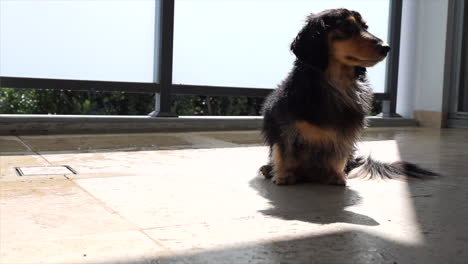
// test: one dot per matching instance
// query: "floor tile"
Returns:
(8, 163)
(40, 210)
(117, 247)
(203, 202)
(162, 163)
(94, 143)
(240, 137)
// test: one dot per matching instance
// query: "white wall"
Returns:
(422, 56)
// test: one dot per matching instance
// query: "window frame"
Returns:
(166, 89)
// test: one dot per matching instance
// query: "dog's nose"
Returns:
(384, 48)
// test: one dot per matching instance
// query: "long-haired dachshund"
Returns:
(314, 119)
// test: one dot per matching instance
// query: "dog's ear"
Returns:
(310, 46)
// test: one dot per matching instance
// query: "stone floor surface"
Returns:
(197, 198)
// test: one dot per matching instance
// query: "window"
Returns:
(78, 39)
(240, 43)
(220, 47)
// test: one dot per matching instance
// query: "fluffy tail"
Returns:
(370, 169)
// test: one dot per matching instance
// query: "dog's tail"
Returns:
(370, 169)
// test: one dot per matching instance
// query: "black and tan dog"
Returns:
(313, 120)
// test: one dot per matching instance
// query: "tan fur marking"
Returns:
(283, 168)
(277, 157)
(339, 177)
(340, 165)
(358, 46)
(340, 75)
(351, 19)
(280, 162)
(313, 133)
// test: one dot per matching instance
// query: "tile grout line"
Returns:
(112, 211)
(104, 205)
(33, 151)
(40, 155)
(191, 138)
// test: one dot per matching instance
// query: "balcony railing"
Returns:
(163, 84)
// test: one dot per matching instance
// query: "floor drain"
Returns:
(45, 170)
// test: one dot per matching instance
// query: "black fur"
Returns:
(307, 95)
(370, 169)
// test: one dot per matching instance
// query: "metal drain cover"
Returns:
(45, 170)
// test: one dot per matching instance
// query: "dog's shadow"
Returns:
(321, 204)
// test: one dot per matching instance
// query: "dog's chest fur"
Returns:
(318, 109)
(341, 102)
(337, 108)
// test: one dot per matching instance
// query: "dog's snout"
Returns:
(384, 48)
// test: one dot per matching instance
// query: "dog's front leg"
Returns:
(284, 167)
(338, 176)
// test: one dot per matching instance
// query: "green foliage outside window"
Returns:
(31, 101)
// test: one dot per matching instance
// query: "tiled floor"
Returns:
(196, 198)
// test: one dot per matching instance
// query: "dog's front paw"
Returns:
(287, 179)
(339, 179)
(266, 171)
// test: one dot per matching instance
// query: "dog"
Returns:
(314, 119)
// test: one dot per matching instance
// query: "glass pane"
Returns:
(108, 40)
(246, 43)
